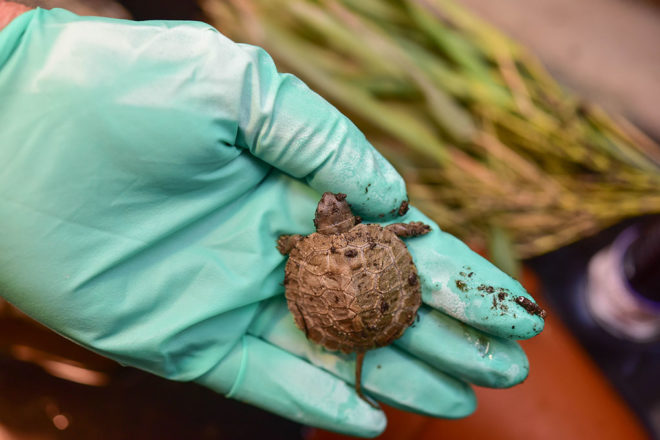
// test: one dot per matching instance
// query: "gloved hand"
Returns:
(147, 171)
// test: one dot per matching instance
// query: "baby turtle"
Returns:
(351, 286)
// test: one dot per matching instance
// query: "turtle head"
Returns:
(333, 215)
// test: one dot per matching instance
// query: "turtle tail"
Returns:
(358, 380)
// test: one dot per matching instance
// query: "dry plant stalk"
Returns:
(489, 144)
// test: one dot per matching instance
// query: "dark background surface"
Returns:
(163, 10)
(134, 405)
(633, 368)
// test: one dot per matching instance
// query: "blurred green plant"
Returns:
(490, 145)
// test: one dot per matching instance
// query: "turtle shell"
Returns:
(353, 291)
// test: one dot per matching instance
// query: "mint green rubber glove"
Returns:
(147, 171)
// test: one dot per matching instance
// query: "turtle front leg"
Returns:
(412, 229)
(287, 242)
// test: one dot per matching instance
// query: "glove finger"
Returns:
(389, 374)
(284, 123)
(187, 127)
(464, 285)
(463, 351)
(268, 377)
